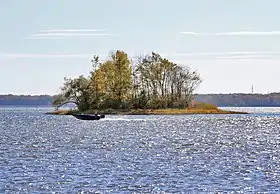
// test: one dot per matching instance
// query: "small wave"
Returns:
(123, 119)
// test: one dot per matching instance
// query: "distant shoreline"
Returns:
(51, 107)
(220, 100)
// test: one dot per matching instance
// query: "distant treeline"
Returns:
(222, 100)
(241, 100)
(26, 100)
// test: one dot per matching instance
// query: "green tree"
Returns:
(74, 91)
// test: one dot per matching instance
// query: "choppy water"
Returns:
(142, 154)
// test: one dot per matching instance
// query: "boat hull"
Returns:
(88, 117)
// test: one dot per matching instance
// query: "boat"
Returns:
(89, 116)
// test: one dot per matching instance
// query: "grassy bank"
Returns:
(182, 112)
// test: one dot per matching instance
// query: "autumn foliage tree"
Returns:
(164, 84)
(152, 82)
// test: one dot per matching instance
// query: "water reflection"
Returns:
(188, 154)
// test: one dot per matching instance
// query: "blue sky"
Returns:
(232, 43)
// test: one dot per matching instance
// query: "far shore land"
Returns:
(186, 111)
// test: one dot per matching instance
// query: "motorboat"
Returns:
(89, 116)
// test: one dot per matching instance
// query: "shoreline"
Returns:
(191, 111)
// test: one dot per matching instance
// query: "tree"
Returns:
(165, 83)
(122, 79)
(74, 91)
(154, 82)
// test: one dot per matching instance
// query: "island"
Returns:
(149, 84)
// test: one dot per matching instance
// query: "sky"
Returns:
(233, 44)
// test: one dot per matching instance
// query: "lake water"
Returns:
(143, 154)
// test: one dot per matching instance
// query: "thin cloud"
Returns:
(240, 33)
(73, 30)
(269, 33)
(37, 55)
(246, 57)
(68, 33)
(46, 37)
(225, 53)
(192, 33)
